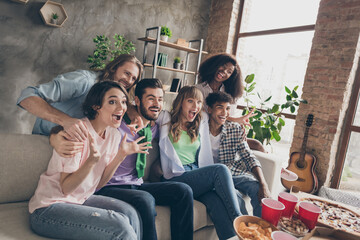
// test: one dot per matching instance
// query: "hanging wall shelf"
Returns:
(51, 8)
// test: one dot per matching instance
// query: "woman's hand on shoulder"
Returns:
(245, 120)
(63, 146)
(126, 148)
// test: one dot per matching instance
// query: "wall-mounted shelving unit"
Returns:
(189, 50)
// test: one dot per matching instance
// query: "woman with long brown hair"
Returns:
(185, 153)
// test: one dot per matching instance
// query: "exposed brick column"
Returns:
(222, 26)
(328, 82)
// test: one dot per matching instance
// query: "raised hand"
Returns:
(244, 120)
(94, 153)
(76, 129)
(127, 148)
(136, 125)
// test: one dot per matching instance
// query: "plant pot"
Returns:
(164, 38)
(176, 65)
(54, 21)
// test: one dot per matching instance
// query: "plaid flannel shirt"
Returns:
(234, 151)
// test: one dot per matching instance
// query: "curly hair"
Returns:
(175, 123)
(208, 69)
(96, 95)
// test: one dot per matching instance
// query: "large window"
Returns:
(274, 43)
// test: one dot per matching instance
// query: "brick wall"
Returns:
(328, 81)
(329, 77)
(222, 26)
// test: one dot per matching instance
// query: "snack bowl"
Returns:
(242, 223)
(294, 226)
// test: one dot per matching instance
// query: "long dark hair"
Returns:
(96, 95)
(209, 67)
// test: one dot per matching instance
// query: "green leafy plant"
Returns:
(177, 60)
(107, 50)
(269, 121)
(165, 31)
(54, 16)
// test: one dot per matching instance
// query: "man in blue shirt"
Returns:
(229, 146)
(59, 102)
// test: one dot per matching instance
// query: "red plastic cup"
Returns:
(271, 210)
(309, 213)
(279, 235)
(289, 202)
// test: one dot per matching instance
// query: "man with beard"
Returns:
(127, 183)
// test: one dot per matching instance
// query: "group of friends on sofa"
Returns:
(93, 187)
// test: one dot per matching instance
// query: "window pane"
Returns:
(357, 115)
(350, 178)
(265, 14)
(277, 61)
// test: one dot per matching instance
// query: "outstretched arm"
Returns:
(243, 120)
(40, 108)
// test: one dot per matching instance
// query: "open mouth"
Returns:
(117, 117)
(154, 109)
(192, 114)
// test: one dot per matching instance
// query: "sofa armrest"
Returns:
(271, 167)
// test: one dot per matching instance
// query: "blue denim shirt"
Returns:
(65, 92)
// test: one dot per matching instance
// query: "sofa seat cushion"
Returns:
(14, 218)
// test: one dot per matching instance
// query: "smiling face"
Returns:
(127, 74)
(190, 108)
(112, 110)
(151, 103)
(219, 112)
(224, 72)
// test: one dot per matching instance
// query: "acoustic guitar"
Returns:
(303, 164)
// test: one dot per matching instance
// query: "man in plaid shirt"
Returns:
(229, 146)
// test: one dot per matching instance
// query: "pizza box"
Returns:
(250, 219)
(325, 220)
(324, 233)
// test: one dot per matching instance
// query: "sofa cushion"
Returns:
(23, 159)
(15, 222)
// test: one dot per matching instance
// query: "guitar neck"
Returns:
(303, 147)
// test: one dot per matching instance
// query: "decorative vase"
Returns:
(182, 65)
(164, 38)
(176, 65)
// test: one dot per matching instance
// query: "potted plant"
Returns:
(177, 62)
(165, 33)
(107, 50)
(269, 121)
(54, 18)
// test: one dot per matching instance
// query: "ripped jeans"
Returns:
(98, 218)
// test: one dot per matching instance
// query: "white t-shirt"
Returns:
(49, 190)
(215, 144)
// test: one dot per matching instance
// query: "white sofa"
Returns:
(25, 157)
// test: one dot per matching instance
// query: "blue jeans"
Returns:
(178, 196)
(213, 186)
(98, 218)
(248, 185)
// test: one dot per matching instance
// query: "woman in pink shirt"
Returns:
(63, 205)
